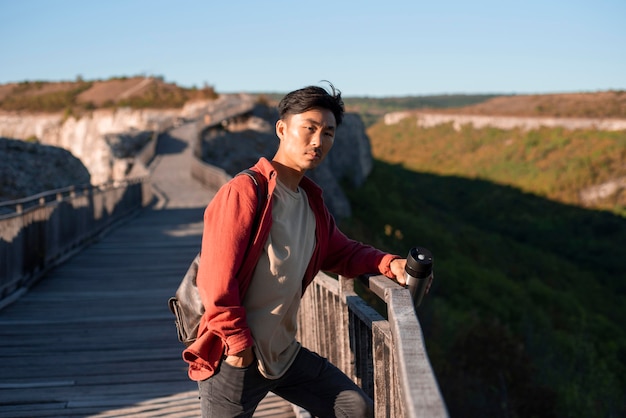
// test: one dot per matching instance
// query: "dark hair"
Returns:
(307, 98)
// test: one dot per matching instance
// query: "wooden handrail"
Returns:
(39, 232)
(10, 205)
(387, 358)
(423, 397)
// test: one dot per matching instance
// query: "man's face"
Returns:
(305, 138)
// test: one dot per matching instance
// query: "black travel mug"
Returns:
(419, 269)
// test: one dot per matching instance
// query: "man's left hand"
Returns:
(397, 269)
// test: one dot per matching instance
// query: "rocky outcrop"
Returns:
(428, 120)
(105, 139)
(91, 138)
(350, 160)
(106, 142)
(611, 189)
(33, 168)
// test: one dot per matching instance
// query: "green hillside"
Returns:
(79, 96)
(553, 163)
(526, 314)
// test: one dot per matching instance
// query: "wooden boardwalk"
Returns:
(95, 337)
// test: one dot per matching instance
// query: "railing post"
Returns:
(346, 288)
(384, 389)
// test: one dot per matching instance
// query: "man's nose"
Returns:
(316, 140)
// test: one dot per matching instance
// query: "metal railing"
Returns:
(387, 358)
(40, 231)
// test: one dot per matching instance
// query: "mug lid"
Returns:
(419, 262)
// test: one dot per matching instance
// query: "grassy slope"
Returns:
(526, 315)
(553, 163)
(76, 97)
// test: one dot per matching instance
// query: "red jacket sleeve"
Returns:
(225, 237)
(351, 258)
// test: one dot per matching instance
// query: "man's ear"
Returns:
(280, 129)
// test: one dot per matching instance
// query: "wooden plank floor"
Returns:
(95, 337)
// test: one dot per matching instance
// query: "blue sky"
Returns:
(373, 48)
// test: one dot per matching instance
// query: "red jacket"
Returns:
(224, 274)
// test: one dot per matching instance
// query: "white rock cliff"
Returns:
(85, 138)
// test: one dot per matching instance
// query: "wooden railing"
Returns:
(209, 175)
(38, 232)
(142, 159)
(387, 358)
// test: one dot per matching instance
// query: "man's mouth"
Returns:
(314, 154)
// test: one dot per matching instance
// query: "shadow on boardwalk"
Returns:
(95, 337)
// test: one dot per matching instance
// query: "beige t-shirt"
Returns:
(273, 298)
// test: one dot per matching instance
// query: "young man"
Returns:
(246, 343)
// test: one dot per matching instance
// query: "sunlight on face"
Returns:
(305, 138)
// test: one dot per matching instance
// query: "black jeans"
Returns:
(311, 382)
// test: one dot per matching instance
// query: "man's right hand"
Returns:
(242, 359)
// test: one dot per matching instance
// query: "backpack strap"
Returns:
(261, 193)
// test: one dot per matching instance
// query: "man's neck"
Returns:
(287, 175)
